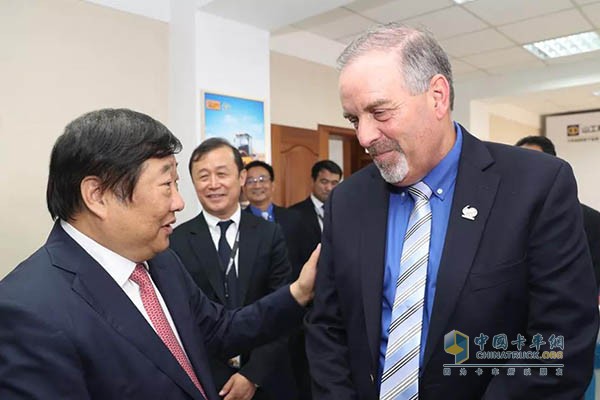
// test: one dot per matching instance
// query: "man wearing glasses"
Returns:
(259, 189)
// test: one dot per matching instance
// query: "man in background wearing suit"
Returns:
(256, 258)
(104, 310)
(446, 243)
(325, 174)
(591, 217)
(259, 189)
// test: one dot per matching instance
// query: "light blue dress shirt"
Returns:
(441, 180)
(258, 212)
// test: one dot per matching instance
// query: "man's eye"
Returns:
(381, 115)
(353, 121)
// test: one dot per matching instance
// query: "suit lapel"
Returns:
(208, 258)
(249, 243)
(179, 308)
(477, 188)
(98, 289)
(373, 228)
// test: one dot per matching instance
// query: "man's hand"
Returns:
(238, 387)
(303, 288)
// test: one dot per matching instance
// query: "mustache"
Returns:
(383, 147)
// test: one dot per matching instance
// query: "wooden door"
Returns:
(355, 157)
(294, 151)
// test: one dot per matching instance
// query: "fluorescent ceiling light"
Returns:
(462, 1)
(565, 46)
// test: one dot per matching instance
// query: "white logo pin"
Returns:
(469, 212)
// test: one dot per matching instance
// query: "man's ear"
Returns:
(439, 89)
(243, 174)
(94, 198)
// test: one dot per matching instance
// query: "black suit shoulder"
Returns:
(591, 225)
(303, 205)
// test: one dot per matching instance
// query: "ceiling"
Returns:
(483, 38)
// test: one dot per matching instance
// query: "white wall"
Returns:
(582, 155)
(229, 58)
(59, 59)
(304, 94)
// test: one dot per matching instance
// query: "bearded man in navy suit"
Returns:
(503, 263)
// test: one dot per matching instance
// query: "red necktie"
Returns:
(160, 323)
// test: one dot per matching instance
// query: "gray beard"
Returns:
(393, 172)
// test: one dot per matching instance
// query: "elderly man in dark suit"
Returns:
(445, 244)
(255, 265)
(104, 310)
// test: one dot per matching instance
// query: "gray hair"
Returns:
(421, 56)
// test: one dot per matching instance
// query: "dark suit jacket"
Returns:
(520, 267)
(310, 220)
(292, 228)
(68, 331)
(591, 223)
(263, 267)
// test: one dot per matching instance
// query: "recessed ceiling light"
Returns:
(596, 93)
(565, 46)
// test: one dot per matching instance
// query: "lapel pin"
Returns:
(469, 212)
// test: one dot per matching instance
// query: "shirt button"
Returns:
(440, 191)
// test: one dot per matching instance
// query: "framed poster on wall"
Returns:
(241, 121)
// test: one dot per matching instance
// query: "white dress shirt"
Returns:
(230, 234)
(120, 269)
(318, 209)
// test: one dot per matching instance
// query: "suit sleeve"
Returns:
(37, 361)
(562, 298)
(326, 342)
(227, 333)
(271, 357)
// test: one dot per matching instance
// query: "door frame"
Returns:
(348, 135)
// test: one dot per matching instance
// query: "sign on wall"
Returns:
(240, 121)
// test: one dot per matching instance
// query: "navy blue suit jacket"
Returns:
(68, 331)
(522, 266)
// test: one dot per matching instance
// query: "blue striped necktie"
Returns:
(400, 379)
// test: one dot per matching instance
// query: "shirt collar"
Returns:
(258, 212)
(318, 203)
(117, 266)
(212, 221)
(441, 178)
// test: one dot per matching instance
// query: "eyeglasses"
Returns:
(259, 179)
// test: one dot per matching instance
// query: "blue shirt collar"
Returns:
(258, 212)
(441, 178)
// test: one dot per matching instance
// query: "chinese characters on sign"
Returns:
(500, 354)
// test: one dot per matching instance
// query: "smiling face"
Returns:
(259, 187)
(218, 182)
(139, 229)
(406, 134)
